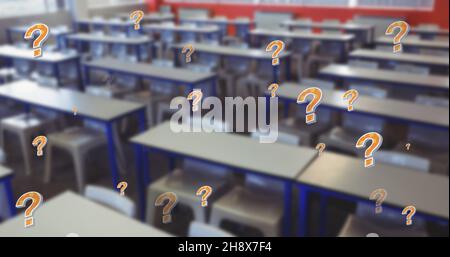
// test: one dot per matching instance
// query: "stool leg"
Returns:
(25, 145)
(48, 163)
(78, 162)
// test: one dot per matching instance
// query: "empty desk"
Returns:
(207, 32)
(183, 77)
(54, 58)
(242, 26)
(150, 17)
(277, 161)
(343, 177)
(250, 53)
(56, 33)
(345, 41)
(412, 44)
(429, 32)
(94, 108)
(387, 77)
(86, 24)
(362, 31)
(135, 42)
(391, 109)
(438, 64)
(69, 213)
(6, 194)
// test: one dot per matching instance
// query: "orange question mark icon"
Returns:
(196, 96)
(172, 201)
(122, 186)
(188, 50)
(408, 145)
(39, 142)
(377, 140)
(409, 211)
(404, 30)
(273, 89)
(208, 191)
(137, 16)
(279, 47)
(379, 195)
(321, 147)
(36, 199)
(311, 107)
(353, 96)
(37, 43)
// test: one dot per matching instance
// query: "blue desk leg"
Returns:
(323, 213)
(9, 36)
(57, 75)
(79, 76)
(286, 109)
(213, 87)
(303, 203)
(112, 155)
(140, 180)
(268, 109)
(275, 74)
(288, 68)
(86, 79)
(9, 196)
(287, 208)
(138, 53)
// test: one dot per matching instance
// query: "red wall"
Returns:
(439, 15)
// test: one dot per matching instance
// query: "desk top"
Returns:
(109, 39)
(64, 100)
(11, 51)
(52, 32)
(218, 20)
(278, 160)
(303, 35)
(415, 42)
(181, 75)
(400, 57)
(71, 213)
(343, 26)
(149, 17)
(438, 31)
(390, 108)
(343, 174)
(4, 171)
(345, 71)
(106, 22)
(254, 53)
(185, 28)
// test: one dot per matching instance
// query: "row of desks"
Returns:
(329, 174)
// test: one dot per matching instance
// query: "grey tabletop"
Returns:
(253, 53)
(11, 51)
(303, 35)
(415, 42)
(391, 108)
(344, 174)
(278, 160)
(109, 39)
(149, 17)
(437, 31)
(345, 71)
(342, 26)
(106, 22)
(4, 171)
(52, 32)
(148, 70)
(184, 28)
(65, 100)
(400, 57)
(218, 20)
(69, 213)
